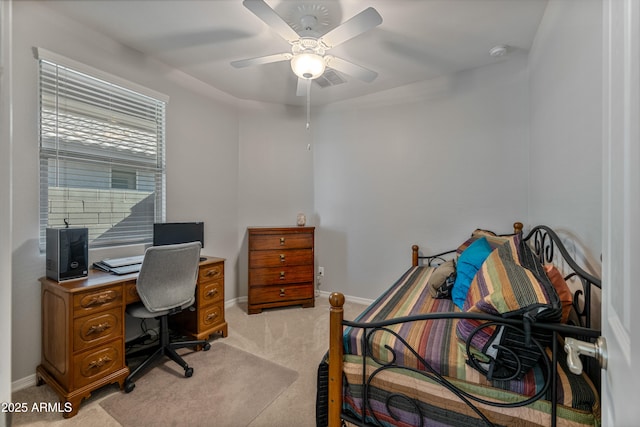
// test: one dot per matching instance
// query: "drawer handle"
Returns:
(281, 292)
(211, 316)
(99, 363)
(101, 299)
(282, 275)
(281, 241)
(213, 272)
(281, 257)
(211, 292)
(98, 329)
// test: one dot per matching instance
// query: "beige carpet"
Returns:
(229, 386)
(292, 337)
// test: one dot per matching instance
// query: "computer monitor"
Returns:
(171, 233)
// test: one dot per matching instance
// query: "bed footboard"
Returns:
(480, 408)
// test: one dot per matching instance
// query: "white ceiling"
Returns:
(417, 40)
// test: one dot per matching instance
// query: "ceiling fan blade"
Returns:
(269, 16)
(303, 86)
(261, 60)
(351, 69)
(358, 24)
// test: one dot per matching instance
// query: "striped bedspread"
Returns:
(436, 342)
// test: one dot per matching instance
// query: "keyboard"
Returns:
(126, 269)
(120, 262)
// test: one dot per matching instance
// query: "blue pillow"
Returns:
(469, 263)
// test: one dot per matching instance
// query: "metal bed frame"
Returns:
(579, 339)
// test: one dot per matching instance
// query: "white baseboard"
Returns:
(232, 302)
(23, 383)
(356, 300)
(359, 300)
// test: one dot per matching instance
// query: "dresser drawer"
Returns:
(210, 272)
(283, 257)
(92, 365)
(97, 328)
(284, 275)
(97, 300)
(210, 292)
(281, 241)
(275, 294)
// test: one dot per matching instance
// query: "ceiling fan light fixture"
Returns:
(308, 65)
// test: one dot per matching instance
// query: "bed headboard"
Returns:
(549, 248)
(416, 257)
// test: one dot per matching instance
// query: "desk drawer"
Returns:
(92, 365)
(211, 316)
(210, 292)
(131, 293)
(200, 320)
(274, 294)
(210, 272)
(97, 328)
(97, 300)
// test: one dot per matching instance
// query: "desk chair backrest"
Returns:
(168, 276)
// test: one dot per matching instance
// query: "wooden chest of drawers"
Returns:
(281, 267)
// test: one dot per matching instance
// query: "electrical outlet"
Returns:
(321, 271)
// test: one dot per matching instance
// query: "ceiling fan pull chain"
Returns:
(308, 105)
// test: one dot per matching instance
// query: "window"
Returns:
(123, 179)
(102, 145)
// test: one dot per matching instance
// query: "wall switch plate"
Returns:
(321, 271)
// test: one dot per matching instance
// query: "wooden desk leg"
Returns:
(69, 405)
(71, 401)
(223, 330)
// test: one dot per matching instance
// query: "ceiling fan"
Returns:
(308, 55)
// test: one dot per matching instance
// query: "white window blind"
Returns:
(102, 164)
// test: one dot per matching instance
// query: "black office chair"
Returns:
(166, 285)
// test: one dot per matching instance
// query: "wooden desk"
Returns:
(83, 328)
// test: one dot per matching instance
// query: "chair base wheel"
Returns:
(188, 372)
(206, 347)
(129, 386)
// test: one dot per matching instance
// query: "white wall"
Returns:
(202, 156)
(275, 172)
(6, 143)
(424, 164)
(565, 65)
(202, 173)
